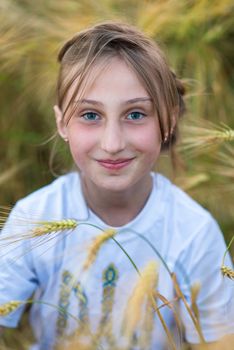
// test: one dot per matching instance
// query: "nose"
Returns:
(113, 138)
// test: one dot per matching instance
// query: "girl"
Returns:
(118, 106)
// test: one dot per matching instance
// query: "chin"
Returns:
(113, 187)
(115, 184)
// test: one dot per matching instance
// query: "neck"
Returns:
(117, 208)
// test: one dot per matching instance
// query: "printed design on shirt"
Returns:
(109, 278)
(66, 288)
(83, 303)
(63, 302)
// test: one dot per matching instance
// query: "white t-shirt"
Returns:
(171, 229)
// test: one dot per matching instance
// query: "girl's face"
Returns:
(114, 135)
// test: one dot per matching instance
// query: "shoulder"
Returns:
(176, 199)
(55, 199)
(53, 189)
(184, 216)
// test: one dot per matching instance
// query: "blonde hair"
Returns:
(113, 39)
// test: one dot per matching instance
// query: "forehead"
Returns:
(111, 80)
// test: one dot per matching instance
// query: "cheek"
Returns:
(148, 141)
(81, 144)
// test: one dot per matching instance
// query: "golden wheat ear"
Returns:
(96, 246)
(4, 213)
(7, 308)
(40, 228)
(203, 137)
(45, 227)
(145, 285)
(227, 272)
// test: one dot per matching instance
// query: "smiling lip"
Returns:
(114, 164)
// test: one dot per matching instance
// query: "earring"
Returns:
(65, 139)
(165, 138)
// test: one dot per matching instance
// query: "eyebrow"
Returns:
(133, 100)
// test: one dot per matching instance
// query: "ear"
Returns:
(61, 127)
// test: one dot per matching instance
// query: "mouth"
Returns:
(115, 164)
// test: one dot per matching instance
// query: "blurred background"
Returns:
(197, 37)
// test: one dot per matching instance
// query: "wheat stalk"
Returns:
(9, 173)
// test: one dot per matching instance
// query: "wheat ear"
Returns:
(96, 245)
(227, 272)
(142, 291)
(189, 310)
(7, 308)
(45, 227)
(195, 290)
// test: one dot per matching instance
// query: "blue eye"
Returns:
(90, 116)
(135, 116)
